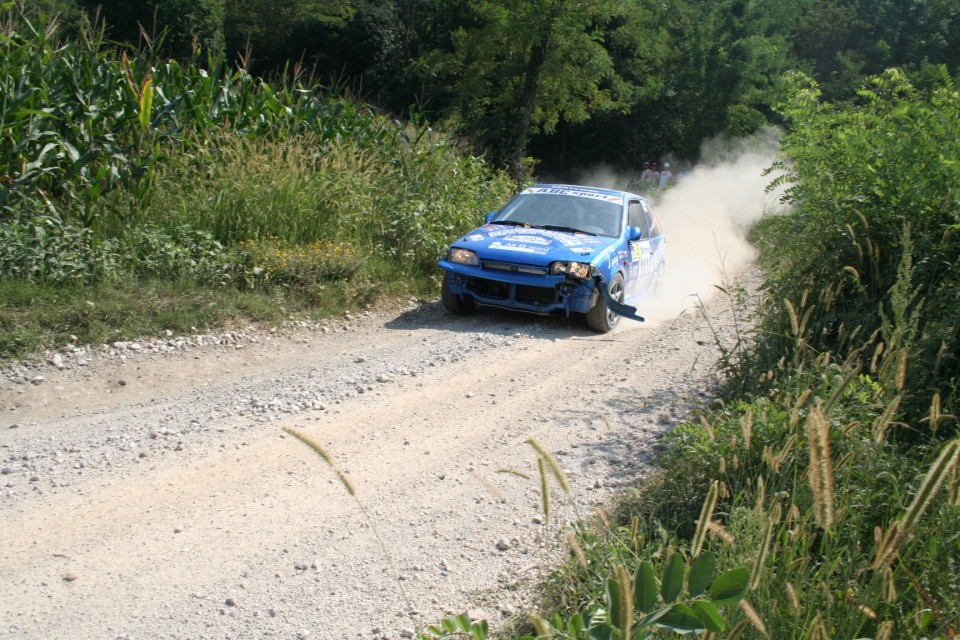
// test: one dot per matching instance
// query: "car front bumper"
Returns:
(534, 293)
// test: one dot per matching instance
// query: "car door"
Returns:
(653, 249)
(641, 250)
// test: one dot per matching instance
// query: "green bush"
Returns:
(182, 253)
(867, 260)
(832, 469)
(44, 249)
(302, 266)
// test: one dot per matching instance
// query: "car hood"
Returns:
(532, 245)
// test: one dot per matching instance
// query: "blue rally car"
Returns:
(559, 248)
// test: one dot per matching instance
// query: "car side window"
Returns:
(636, 217)
(651, 221)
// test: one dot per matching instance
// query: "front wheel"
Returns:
(600, 317)
(454, 302)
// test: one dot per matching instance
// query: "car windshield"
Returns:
(563, 212)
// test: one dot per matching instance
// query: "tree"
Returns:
(910, 32)
(704, 68)
(67, 13)
(827, 37)
(365, 49)
(271, 33)
(846, 40)
(185, 24)
(729, 58)
(191, 25)
(526, 66)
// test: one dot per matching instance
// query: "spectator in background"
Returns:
(645, 174)
(650, 173)
(665, 175)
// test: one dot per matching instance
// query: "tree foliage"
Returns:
(183, 25)
(267, 34)
(527, 65)
(569, 82)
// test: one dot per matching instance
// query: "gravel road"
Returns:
(149, 490)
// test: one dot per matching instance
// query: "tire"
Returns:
(454, 302)
(600, 318)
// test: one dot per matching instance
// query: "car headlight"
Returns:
(463, 256)
(575, 269)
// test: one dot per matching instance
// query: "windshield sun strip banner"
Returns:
(576, 192)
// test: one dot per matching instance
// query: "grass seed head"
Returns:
(900, 532)
(344, 480)
(551, 463)
(885, 630)
(793, 599)
(878, 431)
(706, 513)
(821, 468)
(576, 549)
(752, 616)
(544, 489)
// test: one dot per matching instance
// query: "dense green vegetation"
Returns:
(235, 197)
(571, 82)
(161, 186)
(832, 468)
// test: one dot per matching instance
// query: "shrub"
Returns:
(43, 249)
(182, 253)
(866, 266)
(305, 267)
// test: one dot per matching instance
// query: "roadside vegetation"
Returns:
(140, 195)
(831, 469)
(820, 499)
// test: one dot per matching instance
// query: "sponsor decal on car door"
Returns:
(641, 257)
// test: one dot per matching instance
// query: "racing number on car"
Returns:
(641, 253)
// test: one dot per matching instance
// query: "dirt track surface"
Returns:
(149, 491)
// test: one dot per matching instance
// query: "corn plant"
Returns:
(70, 121)
(80, 120)
(109, 140)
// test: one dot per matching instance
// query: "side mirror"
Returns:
(487, 218)
(634, 233)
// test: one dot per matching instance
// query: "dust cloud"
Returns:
(705, 216)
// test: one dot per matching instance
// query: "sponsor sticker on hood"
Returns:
(516, 246)
(531, 239)
(538, 236)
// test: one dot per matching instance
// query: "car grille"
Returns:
(521, 293)
(536, 295)
(515, 268)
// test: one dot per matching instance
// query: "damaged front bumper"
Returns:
(540, 294)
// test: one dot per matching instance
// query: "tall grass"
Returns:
(118, 167)
(847, 535)
(872, 245)
(831, 469)
(403, 202)
(109, 141)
